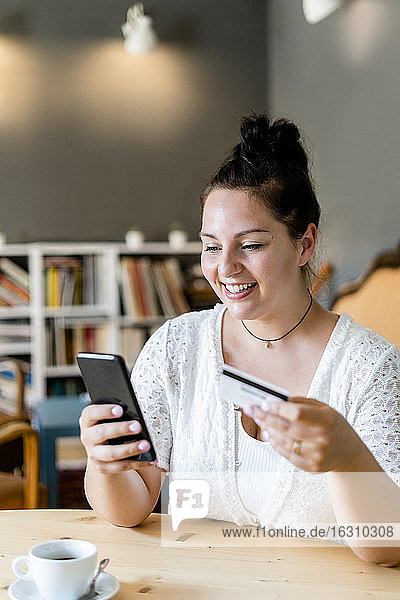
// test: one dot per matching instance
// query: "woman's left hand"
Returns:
(309, 433)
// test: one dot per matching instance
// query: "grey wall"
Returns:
(340, 81)
(93, 140)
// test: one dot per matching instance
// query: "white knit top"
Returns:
(258, 466)
(195, 432)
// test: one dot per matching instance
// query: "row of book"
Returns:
(65, 386)
(16, 330)
(132, 340)
(72, 280)
(14, 283)
(150, 288)
(64, 342)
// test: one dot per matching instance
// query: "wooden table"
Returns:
(178, 570)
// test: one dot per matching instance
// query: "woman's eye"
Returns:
(251, 246)
(210, 249)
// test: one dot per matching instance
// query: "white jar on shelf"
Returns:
(134, 238)
(177, 236)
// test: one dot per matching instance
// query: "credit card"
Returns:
(244, 389)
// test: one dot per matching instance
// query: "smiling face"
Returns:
(248, 257)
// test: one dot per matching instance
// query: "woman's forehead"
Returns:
(231, 205)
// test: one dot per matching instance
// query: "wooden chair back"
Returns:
(21, 490)
(322, 278)
(373, 299)
(19, 447)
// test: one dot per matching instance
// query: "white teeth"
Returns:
(234, 289)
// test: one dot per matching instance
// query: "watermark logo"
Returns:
(188, 499)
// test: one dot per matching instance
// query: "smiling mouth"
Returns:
(238, 287)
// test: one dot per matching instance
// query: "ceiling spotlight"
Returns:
(138, 31)
(317, 10)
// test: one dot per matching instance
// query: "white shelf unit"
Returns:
(106, 310)
(11, 313)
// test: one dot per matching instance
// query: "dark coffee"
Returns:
(61, 557)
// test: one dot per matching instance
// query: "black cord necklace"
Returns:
(267, 342)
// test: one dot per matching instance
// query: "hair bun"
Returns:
(276, 141)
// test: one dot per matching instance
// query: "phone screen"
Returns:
(107, 381)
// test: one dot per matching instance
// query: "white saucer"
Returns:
(21, 589)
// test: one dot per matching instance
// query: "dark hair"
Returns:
(271, 164)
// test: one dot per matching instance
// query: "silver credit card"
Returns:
(244, 389)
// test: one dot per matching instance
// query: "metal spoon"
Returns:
(91, 592)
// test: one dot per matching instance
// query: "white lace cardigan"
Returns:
(195, 432)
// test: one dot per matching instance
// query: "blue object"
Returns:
(52, 418)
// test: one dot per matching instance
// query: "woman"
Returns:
(310, 460)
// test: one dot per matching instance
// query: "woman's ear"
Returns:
(307, 244)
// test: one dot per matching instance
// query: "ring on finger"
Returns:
(296, 448)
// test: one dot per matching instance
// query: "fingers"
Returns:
(110, 453)
(96, 431)
(94, 413)
(100, 433)
(298, 430)
(296, 409)
(310, 434)
(111, 460)
(285, 447)
(95, 428)
(309, 423)
(293, 429)
(114, 467)
(308, 456)
(304, 412)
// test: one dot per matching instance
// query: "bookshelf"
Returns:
(70, 297)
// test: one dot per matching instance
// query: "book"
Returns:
(78, 340)
(14, 272)
(59, 343)
(8, 299)
(77, 298)
(16, 289)
(161, 286)
(14, 331)
(52, 287)
(101, 278)
(67, 287)
(132, 341)
(63, 280)
(65, 341)
(154, 307)
(128, 296)
(139, 288)
(89, 279)
(174, 281)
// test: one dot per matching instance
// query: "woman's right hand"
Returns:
(105, 457)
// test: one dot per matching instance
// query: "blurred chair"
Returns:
(21, 489)
(373, 299)
(19, 445)
(322, 279)
(16, 404)
(12, 407)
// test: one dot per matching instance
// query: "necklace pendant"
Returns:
(267, 344)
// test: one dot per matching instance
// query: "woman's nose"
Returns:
(228, 268)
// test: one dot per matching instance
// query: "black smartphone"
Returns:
(107, 381)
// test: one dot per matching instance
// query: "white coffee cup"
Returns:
(61, 569)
